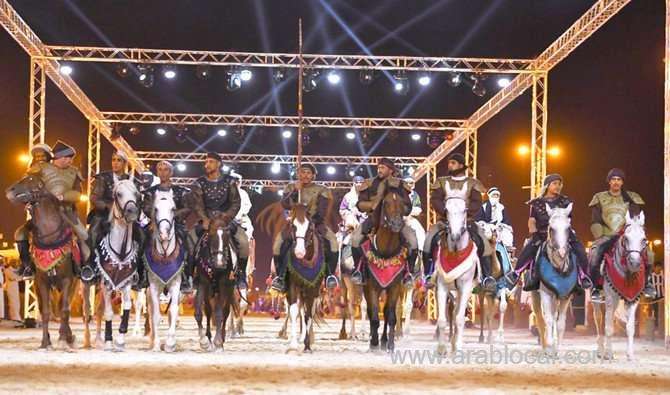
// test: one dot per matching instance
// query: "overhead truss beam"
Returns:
(284, 121)
(288, 60)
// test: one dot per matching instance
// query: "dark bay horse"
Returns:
(54, 250)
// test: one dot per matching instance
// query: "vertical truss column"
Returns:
(93, 158)
(471, 152)
(666, 182)
(431, 218)
(538, 148)
(36, 106)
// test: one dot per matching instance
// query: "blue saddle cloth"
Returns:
(561, 284)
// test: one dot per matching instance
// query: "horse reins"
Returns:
(123, 255)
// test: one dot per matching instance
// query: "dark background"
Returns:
(605, 99)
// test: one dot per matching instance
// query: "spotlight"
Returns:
(123, 70)
(169, 72)
(234, 80)
(161, 131)
(278, 74)
(449, 135)
(181, 166)
(245, 75)
(280, 192)
(225, 168)
(401, 83)
(116, 132)
(367, 76)
(351, 135)
(504, 82)
(287, 133)
(311, 80)
(434, 140)
(409, 171)
(134, 130)
(203, 71)
(66, 69)
(334, 77)
(424, 79)
(352, 172)
(222, 132)
(275, 168)
(330, 170)
(181, 133)
(454, 79)
(477, 86)
(239, 133)
(416, 136)
(146, 75)
(306, 138)
(366, 140)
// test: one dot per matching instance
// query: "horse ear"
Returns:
(628, 217)
(550, 211)
(641, 218)
(568, 209)
(464, 189)
(447, 188)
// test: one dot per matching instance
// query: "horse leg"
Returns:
(364, 314)
(126, 304)
(482, 310)
(99, 313)
(548, 314)
(65, 338)
(140, 308)
(244, 306)
(109, 314)
(218, 317)
(86, 313)
(560, 323)
(384, 339)
(598, 317)
(611, 302)
(372, 300)
(45, 310)
(630, 329)
(343, 312)
(293, 309)
(226, 299)
(155, 314)
(442, 301)
(309, 310)
(171, 341)
(502, 308)
(408, 306)
(394, 295)
(462, 298)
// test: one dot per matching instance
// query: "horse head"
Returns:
(163, 215)
(456, 209)
(392, 212)
(634, 242)
(49, 226)
(301, 230)
(218, 242)
(559, 232)
(126, 201)
(25, 190)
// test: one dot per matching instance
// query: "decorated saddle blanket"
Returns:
(309, 271)
(48, 258)
(561, 284)
(385, 270)
(164, 270)
(116, 272)
(627, 284)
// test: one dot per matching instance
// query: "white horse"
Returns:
(352, 294)
(116, 257)
(461, 278)
(551, 309)
(165, 251)
(628, 259)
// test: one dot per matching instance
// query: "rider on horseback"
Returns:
(412, 219)
(102, 200)
(317, 198)
(456, 179)
(216, 195)
(349, 213)
(41, 153)
(370, 196)
(63, 181)
(493, 212)
(164, 171)
(538, 224)
(242, 217)
(608, 217)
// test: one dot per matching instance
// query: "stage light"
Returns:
(352, 173)
(366, 139)
(222, 132)
(83, 198)
(554, 151)
(280, 192)
(234, 80)
(504, 82)
(310, 80)
(367, 76)
(225, 168)
(330, 170)
(409, 171)
(424, 79)
(306, 138)
(287, 133)
(203, 71)
(477, 86)
(25, 158)
(523, 150)
(334, 77)
(416, 136)
(123, 70)
(351, 135)
(278, 74)
(181, 166)
(146, 75)
(658, 242)
(434, 140)
(275, 168)
(66, 69)
(161, 131)
(449, 135)
(239, 133)
(134, 130)
(401, 83)
(169, 72)
(245, 75)
(454, 79)
(116, 132)
(180, 136)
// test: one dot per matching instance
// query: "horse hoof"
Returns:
(342, 335)
(307, 351)
(170, 347)
(119, 347)
(481, 339)
(109, 346)
(205, 343)
(218, 350)
(442, 349)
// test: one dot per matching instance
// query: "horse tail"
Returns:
(167, 308)
(319, 316)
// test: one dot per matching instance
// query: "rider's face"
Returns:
(616, 183)
(212, 165)
(305, 175)
(555, 187)
(63, 162)
(383, 171)
(39, 156)
(454, 166)
(118, 164)
(164, 172)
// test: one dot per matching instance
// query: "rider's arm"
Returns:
(505, 219)
(147, 203)
(596, 217)
(416, 206)
(289, 197)
(74, 195)
(234, 200)
(475, 203)
(96, 197)
(437, 198)
(197, 200)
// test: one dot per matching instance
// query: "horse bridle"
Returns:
(626, 251)
(386, 221)
(463, 228)
(122, 255)
(171, 226)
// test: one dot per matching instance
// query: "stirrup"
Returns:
(278, 284)
(586, 283)
(596, 295)
(331, 282)
(489, 284)
(357, 277)
(87, 273)
(649, 292)
(511, 277)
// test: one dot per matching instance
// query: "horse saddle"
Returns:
(628, 285)
(384, 269)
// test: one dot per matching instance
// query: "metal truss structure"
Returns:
(283, 121)
(45, 62)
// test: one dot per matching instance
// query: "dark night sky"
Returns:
(605, 99)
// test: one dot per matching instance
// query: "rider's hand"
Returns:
(205, 223)
(59, 197)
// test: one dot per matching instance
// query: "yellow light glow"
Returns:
(24, 158)
(523, 150)
(83, 198)
(657, 242)
(554, 151)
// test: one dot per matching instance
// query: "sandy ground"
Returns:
(257, 362)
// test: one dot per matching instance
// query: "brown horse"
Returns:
(54, 250)
(306, 269)
(215, 274)
(386, 245)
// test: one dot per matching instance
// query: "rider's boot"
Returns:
(279, 282)
(27, 268)
(331, 261)
(241, 274)
(357, 274)
(428, 269)
(408, 280)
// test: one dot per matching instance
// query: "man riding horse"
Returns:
(538, 224)
(608, 217)
(318, 199)
(102, 200)
(41, 153)
(412, 219)
(493, 212)
(370, 196)
(215, 196)
(350, 214)
(164, 171)
(456, 180)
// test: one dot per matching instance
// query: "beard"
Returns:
(458, 172)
